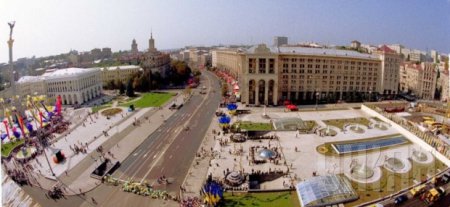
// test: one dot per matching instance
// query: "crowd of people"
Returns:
(18, 176)
(55, 193)
(191, 202)
(263, 137)
(163, 180)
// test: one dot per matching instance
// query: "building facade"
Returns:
(118, 73)
(74, 85)
(268, 75)
(155, 60)
(390, 70)
(31, 85)
(419, 79)
(279, 41)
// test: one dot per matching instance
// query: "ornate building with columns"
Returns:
(75, 85)
(269, 75)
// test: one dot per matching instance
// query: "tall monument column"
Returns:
(11, 65)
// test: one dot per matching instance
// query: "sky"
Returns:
(51, 27)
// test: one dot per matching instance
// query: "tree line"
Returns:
(177, 74)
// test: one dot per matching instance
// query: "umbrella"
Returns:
(232, 106)
(224, 120)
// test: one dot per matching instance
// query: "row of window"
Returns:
(303, 60)
(311, 77)
(330, 88)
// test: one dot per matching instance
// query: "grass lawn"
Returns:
(253, 126)
(288, 198)
(150, 100)
(8, 147)
(341, 122)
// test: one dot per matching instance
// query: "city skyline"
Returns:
(51, 27)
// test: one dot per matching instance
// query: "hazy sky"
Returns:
(48, 27)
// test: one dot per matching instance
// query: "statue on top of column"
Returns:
(11, 27)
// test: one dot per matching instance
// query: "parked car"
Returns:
(400, 199)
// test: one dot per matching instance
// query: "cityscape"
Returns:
(227, 103)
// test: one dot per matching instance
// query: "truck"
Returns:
(418, 190)
(433, 195)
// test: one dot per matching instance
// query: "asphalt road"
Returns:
(169, 151)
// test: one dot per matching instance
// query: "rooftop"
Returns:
(309, 51)
(68, 72)
(27, 79)
(121, 67)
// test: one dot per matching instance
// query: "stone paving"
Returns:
(117, 142)
(305, 161)
(90, 132)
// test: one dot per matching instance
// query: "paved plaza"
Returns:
(299, 156)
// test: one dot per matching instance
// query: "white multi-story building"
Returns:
(74, 85)
(31, 85)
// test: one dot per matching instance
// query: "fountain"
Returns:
(422, 157)
(380, 125)
(397, 165)
(361, 172)
(356, 128)
(328, 131)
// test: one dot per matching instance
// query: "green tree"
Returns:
(130, 89)
(111, 85)
(224, 89)
(121, 88)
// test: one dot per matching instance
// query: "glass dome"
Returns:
(267, 154)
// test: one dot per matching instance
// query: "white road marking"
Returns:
(171, 142)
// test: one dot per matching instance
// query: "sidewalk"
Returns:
(121, 142)
(197, 173)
